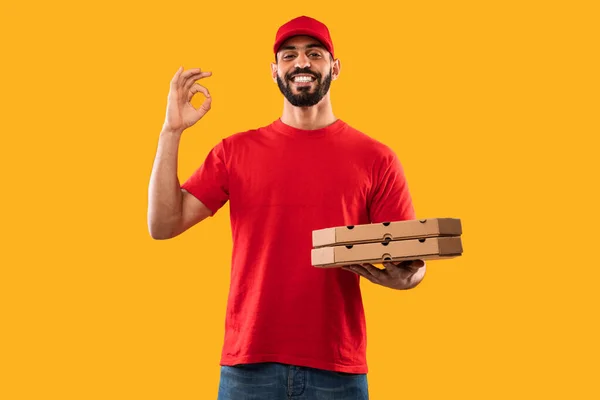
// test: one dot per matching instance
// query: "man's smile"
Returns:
(302, 79)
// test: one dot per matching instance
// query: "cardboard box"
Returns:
(430, 248)
(387, 231)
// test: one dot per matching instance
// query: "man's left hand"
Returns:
(402, 275)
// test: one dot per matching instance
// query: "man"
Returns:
(292, 330)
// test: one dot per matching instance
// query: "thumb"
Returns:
(205, 107)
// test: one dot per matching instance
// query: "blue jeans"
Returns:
(274, 381)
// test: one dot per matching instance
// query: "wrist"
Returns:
(167, 131)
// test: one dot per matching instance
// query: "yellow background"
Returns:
(491, 106)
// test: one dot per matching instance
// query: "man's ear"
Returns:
(274, 72)
(337, 68)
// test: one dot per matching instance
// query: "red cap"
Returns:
(304, 26)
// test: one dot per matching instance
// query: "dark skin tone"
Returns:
(400, 276)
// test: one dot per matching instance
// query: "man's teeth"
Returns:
(303, 79)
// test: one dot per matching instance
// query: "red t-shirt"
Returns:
(282, 183)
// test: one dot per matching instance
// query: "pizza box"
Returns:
(432, 248)
(387, 231)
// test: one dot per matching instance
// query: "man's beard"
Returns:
(305, 98)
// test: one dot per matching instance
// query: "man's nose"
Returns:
(302, 61)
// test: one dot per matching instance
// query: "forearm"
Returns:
(164, 192)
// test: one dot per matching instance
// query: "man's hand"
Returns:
(403, 275)
(181, 114)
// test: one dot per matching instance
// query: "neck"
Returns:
(308, 118)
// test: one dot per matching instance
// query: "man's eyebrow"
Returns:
(308, 46)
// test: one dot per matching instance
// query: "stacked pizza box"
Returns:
(419, 239)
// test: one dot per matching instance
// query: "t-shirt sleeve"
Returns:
(209, 183)
(390, 198)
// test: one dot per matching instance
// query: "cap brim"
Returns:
(299, 32)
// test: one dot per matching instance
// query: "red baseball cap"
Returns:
(304, 25)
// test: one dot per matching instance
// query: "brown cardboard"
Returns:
(397, 230)
(432, 248)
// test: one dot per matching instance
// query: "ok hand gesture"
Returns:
(180, 112)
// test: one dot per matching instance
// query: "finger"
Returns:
(349, 267)
(357, 269)
(204, 107)
(186, 74)
(193, 78)
(176, 77)
(366, 271)
(412, 265)
(185, 83)
(396, 269)
(197, 88)
(375, 272)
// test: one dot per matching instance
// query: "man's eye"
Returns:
(288, 56)
(315, 55)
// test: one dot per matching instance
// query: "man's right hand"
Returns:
(181, 114)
